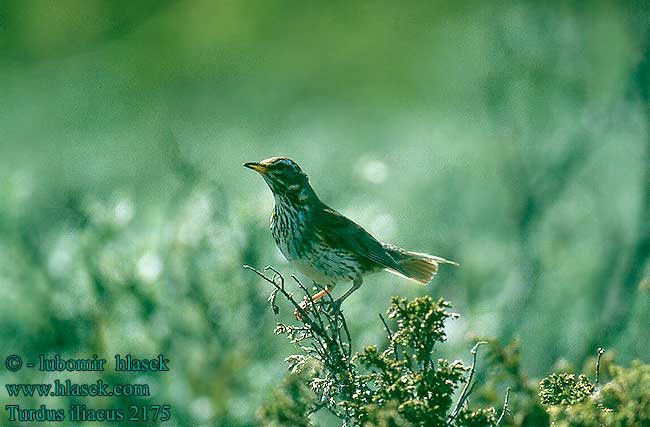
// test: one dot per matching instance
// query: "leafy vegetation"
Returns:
(403, 385)
(624, 401)
(400, 385)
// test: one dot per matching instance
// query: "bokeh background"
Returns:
(512, 137)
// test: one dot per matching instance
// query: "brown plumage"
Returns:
(325, 245)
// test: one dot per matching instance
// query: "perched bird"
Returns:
(325, 245)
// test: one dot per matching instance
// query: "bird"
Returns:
(325, 245)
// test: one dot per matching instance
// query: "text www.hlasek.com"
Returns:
(68, 388)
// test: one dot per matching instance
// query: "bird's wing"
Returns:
(338, 231)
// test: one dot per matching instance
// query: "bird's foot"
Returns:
(306, 306)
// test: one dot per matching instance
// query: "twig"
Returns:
(336, 320)
(271, 299)
(333, 340)
(317, 331)
(600, 354)
(390, 336)
(388, 331)
(323, 328)
(348, 336)
(278, 281)
(505, 407)
(467, 388)
(309, 303)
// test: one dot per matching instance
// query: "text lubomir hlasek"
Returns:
(125, 363)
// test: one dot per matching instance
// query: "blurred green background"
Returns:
(512, 137)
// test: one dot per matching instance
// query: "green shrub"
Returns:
(624, 401)
(401, 385)
(404, 385)
(565, 389)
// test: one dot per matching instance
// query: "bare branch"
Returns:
(505, 407)
(388, 331)
(467, 389)
(600, 354)
(277, 280)
(390, 337)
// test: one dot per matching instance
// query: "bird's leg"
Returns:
(356, 284)
(322, 293)
(306, 305)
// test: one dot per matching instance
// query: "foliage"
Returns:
(504, 368)
(624, 401)
(421, 388)
(400, 385)
(565, 389)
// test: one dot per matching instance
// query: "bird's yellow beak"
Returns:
(257, 167)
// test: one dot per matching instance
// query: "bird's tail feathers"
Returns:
(416, 266)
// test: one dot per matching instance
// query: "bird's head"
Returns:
(283, 176)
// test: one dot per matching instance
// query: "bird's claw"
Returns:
(305, 306)
(333, 305)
